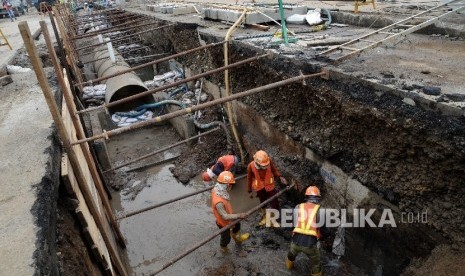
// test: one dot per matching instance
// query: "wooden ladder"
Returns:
(363, 3)
(391, 32)
(6, 40)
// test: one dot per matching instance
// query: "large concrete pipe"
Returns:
(122, 86)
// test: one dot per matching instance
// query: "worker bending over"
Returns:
(224, 163)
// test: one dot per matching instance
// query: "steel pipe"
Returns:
(153, 62)
(174, 84)
(220, 231)
(161, 150)
(185, 111)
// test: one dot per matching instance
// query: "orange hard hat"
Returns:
(226, 177)
(312, 191)
(206, 177)
(261, 158)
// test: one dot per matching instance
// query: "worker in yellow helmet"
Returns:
(223, 212)
(261, 173)
(308, 231)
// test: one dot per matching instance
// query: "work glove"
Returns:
(283, 180)
(242, 215)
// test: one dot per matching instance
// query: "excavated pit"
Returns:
(360, 142)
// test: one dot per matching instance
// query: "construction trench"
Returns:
(155, 110)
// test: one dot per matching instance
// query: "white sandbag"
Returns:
(13, 69)
(314, 17)
(296, 19)
(131, 120)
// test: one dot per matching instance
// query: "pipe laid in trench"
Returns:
(220, 231)
(158, 119)
(174, 84)
(118, 88)
(130, 214)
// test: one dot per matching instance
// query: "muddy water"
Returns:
(156, 236)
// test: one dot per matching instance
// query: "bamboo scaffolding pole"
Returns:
(174, 84)
(151, 63)
(123, 37)
(219, 232)
(130, 214)
(80, 132)
(161, 150)
(192, 109)
(58, 120)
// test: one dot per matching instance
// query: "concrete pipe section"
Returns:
(121, 86)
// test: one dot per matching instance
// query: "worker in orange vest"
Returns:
(306, 233)
(261, 173)
(224, 163)
(223, 211)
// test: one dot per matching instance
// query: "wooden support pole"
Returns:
(49, 97)
(80, 133)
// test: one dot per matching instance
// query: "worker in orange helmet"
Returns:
(224, 163)
(223, 211)
(310, 228)
(261, 173)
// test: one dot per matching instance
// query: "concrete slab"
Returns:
(28, 188)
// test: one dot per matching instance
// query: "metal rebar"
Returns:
(161, 150)
(111, 21)
(156, 163)
(112, 29)
(130, 214)
(220, 231)
(126, 59)
(123, 37)
(115, 47)
(174, 84)
(151, 63)
(192, 109)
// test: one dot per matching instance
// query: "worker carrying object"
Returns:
(223, 211)
(224, 163)
(261, 173)
(306, 233)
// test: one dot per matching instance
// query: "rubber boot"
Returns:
(263, 219)
(289, 264)
(239, 238)
(224, 249)
(317, 274)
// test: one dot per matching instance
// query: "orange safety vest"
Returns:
(227, 205)
(258, 183)
(306, 219)
(228, 162)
